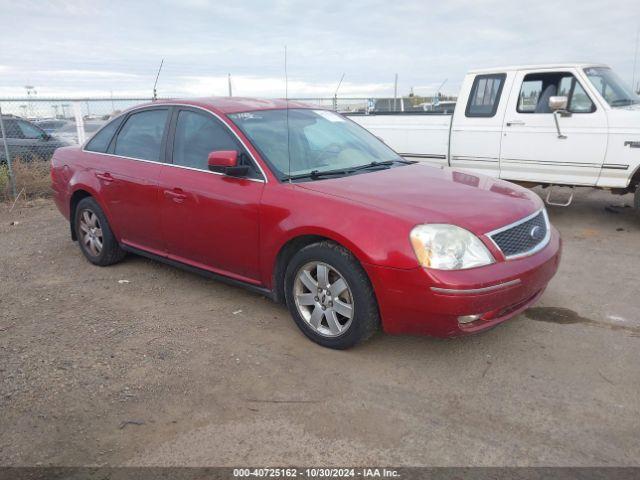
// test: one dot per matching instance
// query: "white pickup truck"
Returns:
(569, 124)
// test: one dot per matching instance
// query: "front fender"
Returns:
(374, 237)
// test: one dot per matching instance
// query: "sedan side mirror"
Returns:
(226, 161)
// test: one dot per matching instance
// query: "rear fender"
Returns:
(85, 180)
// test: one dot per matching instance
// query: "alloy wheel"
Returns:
(91, 232)
(323, 299)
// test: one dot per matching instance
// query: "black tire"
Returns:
(636, 198)
(110, 252)
(366, 319)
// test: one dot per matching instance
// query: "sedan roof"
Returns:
(228, 105)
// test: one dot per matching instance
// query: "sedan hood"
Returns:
(423, 194)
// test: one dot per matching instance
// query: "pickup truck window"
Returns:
(537, 88)
(612, 89)
(485, 95)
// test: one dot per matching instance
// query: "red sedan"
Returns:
(305, 206)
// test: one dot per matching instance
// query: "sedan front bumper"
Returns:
(430, 302)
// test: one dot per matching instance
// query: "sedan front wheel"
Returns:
(330, 297)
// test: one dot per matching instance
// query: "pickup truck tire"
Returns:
(330, 297)
(95, 238)
(636, 198)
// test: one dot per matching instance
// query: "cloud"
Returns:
(274, 87)
(103, 46)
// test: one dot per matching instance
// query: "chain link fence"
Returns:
(32, 128)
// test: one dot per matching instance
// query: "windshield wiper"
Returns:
(313, 174)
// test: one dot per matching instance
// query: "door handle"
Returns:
(177, 195)
(105, 177)
(514, 123)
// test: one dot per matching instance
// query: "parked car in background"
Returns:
(51, 125)
(308, 208)
(67, 130)
(568, 124)
(27, 141)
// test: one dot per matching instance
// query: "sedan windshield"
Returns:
(312, 142)
(611, 87)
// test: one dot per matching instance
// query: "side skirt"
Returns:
(199, 271)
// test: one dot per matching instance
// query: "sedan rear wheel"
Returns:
(96, 240)
(91, 232)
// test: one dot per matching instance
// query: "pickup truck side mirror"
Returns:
(226, 161)
(558, 105)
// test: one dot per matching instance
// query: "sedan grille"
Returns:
(524, 237)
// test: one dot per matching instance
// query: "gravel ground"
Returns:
(144, 364)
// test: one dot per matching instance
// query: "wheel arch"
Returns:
(297, 242)
(79, 193)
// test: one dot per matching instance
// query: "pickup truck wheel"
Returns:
(96, 240)
(636, 198)
(330, 297)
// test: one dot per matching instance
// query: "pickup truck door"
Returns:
(532, 150)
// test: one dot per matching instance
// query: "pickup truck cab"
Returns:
(569, 124)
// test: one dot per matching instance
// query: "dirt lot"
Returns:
(144, 364)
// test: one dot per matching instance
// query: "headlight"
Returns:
(447, 247)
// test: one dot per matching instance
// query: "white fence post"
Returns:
(77, 113)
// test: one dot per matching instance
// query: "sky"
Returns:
(101, 48)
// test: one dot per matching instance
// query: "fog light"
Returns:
(468, 318)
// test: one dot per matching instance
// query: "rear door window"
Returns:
(485, 95)
(141, 135)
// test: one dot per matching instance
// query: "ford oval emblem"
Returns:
(536, 233)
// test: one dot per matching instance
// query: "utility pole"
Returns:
(229, 80)
(635, 60)
(395, 93)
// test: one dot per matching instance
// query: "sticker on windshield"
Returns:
(332, 117)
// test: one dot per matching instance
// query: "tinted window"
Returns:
(485, 95)
(141, 135)
(101, 140)
(11, 127)
(29, 131)
(537, 88)
(197, 135)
